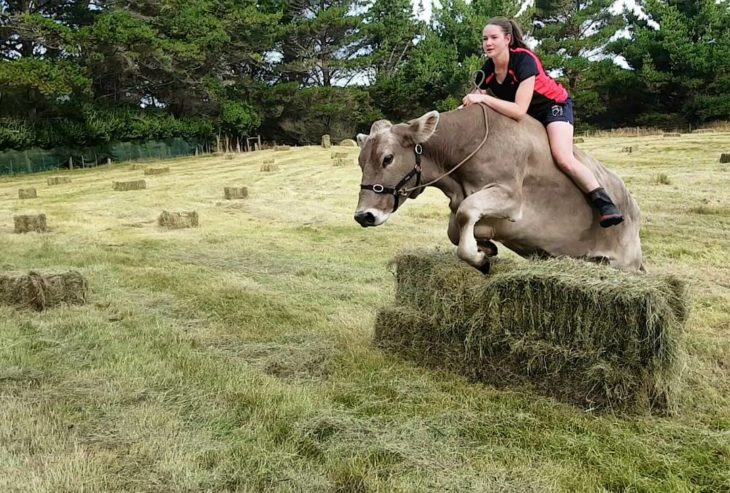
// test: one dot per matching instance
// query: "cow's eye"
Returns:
(387, 160)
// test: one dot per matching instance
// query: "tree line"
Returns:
(77, 73)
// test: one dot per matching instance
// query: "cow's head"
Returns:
(388, 163)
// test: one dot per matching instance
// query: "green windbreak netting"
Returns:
(36, 159)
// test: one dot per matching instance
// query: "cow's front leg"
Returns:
(497, 202)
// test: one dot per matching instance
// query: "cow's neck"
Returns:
(452, 142)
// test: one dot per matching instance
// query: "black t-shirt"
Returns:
(522, 65)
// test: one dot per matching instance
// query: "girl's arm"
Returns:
(515, 110)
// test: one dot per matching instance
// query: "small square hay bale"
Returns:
(39, 291)
(326, 141)
(672, 134)
(138, 166)
(724, 158)
(121, 186)
(231, 193)
(343, 161)
(576, 331)
(30, 223)
(339, 154)
(156, 171)
(282, 148)
(58, 180)
(178, 220)
(27, 193)
(578, 140)
(267, 167)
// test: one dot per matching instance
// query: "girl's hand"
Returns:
(472, 98)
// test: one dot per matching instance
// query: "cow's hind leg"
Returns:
(492, 202)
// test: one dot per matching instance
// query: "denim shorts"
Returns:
(558, 112)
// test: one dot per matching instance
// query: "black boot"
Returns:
(610, 215)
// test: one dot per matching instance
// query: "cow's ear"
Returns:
(424, 127)
(361, 138)
(419, 130)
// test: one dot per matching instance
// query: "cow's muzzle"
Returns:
(365, 219)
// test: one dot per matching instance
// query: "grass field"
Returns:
(237, 356)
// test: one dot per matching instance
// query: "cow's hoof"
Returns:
(489, 248)
(485, 267)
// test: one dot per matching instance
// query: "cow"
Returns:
(502, 185)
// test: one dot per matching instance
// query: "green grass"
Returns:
(238, 356)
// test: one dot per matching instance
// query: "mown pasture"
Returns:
(238, 356)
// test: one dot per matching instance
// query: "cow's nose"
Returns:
(365, 219)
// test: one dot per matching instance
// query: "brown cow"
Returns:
(510, 190)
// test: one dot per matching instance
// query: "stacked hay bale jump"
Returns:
(122, 186)
(231, 193)
(30, 223)
(157, 171)
(281, 148)
(672, 134)
(178, 220)
(269, 165)
(38, 291)
(58, 180)
(27, 193)
(579, 332)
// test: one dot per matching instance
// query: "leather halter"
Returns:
(397, 192)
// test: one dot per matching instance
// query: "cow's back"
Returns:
(557, 218)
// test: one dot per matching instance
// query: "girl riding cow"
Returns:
(516, 77)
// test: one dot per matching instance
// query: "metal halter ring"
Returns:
(418, 149)
(377, 188)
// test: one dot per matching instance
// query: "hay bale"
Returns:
(157, 171)
(282, 148)
(178, 220)
(231, 193)
(137, 167)
(343, 162)
(121, 186)
(672, 134)
(58, 180)
(269, 166)
(578, 140)
(27, 193)
(579, 332)
(704, 131)
(326, 141)
(30, 223)
(348, 143)
(38, 291)
(724, 158)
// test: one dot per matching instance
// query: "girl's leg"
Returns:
(561, 145)
(560, 135)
